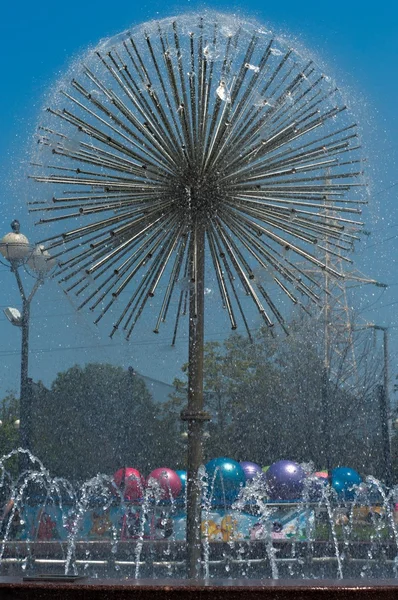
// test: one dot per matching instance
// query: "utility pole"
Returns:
(384, 405)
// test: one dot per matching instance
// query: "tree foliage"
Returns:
(9, 432)
(269, 400)
(94, 419)
(266, 396)
(9, 415)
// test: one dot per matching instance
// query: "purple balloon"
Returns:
(250, 469)
(285, 480)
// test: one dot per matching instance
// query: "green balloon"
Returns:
(265, 469)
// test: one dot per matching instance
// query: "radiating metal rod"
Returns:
(175, 272)
(132, 138)
(221, 283)
(161, 126)
(292, 272)
(173, 129)
(182, 293)
(255, 248)
(127, 270)
(147, 129)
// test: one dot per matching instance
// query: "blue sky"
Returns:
(357, 42)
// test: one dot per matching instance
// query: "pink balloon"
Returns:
(169, 482)
(131, 482)
(322, 474)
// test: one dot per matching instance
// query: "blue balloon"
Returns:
(344, 481)
(225, 479)
(285, 480)
(183, 476)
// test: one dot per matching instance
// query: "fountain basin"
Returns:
(162, 560)
(14, 588)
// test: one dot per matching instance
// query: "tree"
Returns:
(94, 419)
(9, 434)
(339, 425)
(267, 401)
(9, 415)
(235, 396)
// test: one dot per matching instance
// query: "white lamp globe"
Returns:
(14, 247)
(40, 260)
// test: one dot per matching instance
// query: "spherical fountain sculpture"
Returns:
(187, 146)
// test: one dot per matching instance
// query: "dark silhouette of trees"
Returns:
(95, 419)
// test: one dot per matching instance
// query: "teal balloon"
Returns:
(225, 479)
(344, 481)
(183, 476)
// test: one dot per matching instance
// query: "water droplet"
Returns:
(223, 92)
(250, 67)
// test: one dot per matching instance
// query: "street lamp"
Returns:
(18, 252)
(384, 404)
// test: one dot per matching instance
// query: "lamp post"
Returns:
(384, 406)
(385, 410)
(18, 252)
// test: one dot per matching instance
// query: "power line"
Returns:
(393, 185)
(393, 237)
(216, 337)
(374, 302)
(390, 304)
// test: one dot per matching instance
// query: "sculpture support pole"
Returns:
(194, 414)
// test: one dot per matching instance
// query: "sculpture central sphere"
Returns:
(199, 195)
